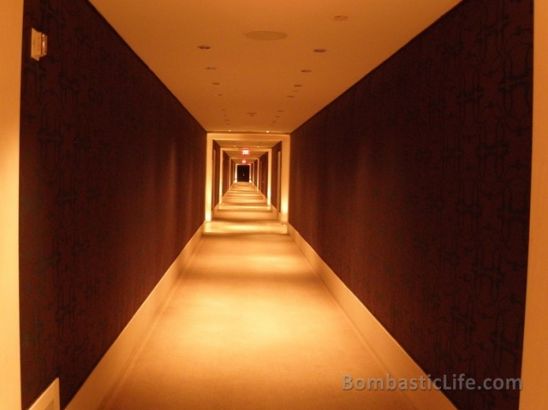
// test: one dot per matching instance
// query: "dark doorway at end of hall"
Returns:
(242, 173)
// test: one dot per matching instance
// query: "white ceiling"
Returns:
(238, 144)
(259, 76)
(257, 145)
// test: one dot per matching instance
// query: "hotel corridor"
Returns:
(249, 325)
(274, 205)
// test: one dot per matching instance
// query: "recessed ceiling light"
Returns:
(265, 35)
(306, 70)
(320, 50)
(204, 47)
(340, 18)
(268, 132)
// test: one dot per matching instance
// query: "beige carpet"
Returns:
(250, 326)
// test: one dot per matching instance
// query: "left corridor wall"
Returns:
(111, 190)
(11, 19)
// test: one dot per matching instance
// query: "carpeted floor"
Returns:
(250, 326)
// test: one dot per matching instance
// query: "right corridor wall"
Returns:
(414, 187)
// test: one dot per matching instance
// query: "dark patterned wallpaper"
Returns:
(216, 165)
(227, 172)
(232, 171)
(276, 151)
(414, 187)
(112, 187)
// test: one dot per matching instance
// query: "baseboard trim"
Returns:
(275, 212)
(112, 366)
(49, 399)
(386, 349)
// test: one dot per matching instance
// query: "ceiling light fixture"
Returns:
(245, 151)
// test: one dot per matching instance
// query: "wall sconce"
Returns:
(38, 45)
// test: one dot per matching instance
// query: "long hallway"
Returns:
(400, 146)
(249, 325)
